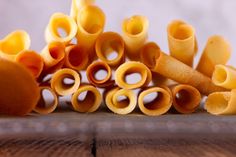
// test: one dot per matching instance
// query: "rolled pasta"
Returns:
(217, 51)
(13, 44)
(135, 34)
(43, 106)
(121, 101)
(131, 68)
(91, 101)
(221, 103)
(106, 44)
(224, 76)
(93, 69)
(186, 99)
(59, 84)
(160, 105)
(182, 41)
(60, 21)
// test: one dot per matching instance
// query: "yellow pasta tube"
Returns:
(158, 106)
(186, 99)
(182, 41)
(106, 44)
(121, 101)
(224, 76)
(60, 21)
(135, 34)
(221, 103)
(129, 68)
(90, 103)
(14, 43)
(44, 106)
(65, 82)
(217, 51)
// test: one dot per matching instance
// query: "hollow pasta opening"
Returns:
(47, 99)
(133, 78)
(76, 56)
(154, 101)
(134, 26)
(56, 51)
(101, 74)
(122, 101)
(185, 99)
(61, 27)
(217, 103)
(220, 75)
(68, 81)
(183, 32)
(86, 100)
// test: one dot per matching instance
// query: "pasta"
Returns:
(221, 103)
(91, 101)
(158, 106)
(224, 76)
(217, 51)
(43, 106)
(186, 99)
(93, 69)
(135, 34)
(59, 82)
(19, 90)
(106, 44)
(129, 68)
(121, 101)
(182, 41)
(13, 44)
(60, 21)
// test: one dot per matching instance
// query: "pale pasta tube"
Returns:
(217, 51)
(135, 34)
(14, 43)
(94, 68)
(60, 22)
(182, 41)
(65, 81)
(91, 101)
(19, 92)
(121, 101)
(44, 106)
(221, 103)
(158, 106)
(129, 68)
(108, 43)
(224, 76)
(186, 99)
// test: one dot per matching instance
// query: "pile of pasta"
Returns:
(176, 83)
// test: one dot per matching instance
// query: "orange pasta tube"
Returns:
(65, 23)
(217, 51)
(19, 92)
(13, 44)
(221, 103)
(121, 101)
(106, 44)
(93, 69)
(182, 41)
(135, 34)
(186, 99)
(158, 106)
(129, 68)
(90, 103)
(32, 61)
(65, 82)
(44, 106)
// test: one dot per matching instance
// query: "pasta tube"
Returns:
(221, 103)
(135, 34)
(106, 44)
(93, 69)
(224, 76)
(158, 106)
(129, 68)
(121, 101)
(59, 84)
(217, 51)
(186, 99)
(91, 101)
(44, 106)
(182, 41)
(14, 43)
(60, 21)
(19, 92)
